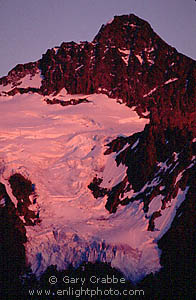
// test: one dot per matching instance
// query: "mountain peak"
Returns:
(127, 20)
(121, 31)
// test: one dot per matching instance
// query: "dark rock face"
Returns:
(22, 188)
(13, 232)
(21, 91)
(97, 191)
(66, 103)
(12, 239)
(178, 245)
(146, 172)
(127, 65)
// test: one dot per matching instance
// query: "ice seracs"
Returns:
(62, 149)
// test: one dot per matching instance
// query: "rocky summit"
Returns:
(129, 62)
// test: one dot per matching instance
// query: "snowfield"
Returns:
(60, 149)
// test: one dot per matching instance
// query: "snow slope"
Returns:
(28, 81)
(61, 149)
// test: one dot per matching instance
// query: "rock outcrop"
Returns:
(19, 72)
(13, 232)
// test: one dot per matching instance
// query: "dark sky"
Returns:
(29, 27)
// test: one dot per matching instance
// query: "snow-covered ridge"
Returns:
(28, 81)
